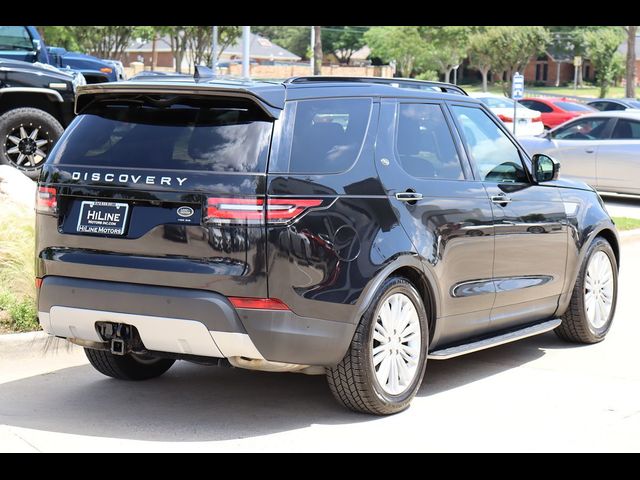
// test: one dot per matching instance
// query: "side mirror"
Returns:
(37, 45)
(545, 168)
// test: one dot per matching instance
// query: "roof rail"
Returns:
(394, 82)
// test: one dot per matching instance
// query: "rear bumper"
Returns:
(192, 322)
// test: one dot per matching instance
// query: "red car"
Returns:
(555, 111)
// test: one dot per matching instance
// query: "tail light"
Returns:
(504, 118)
(258, 303)
(46, 200)
(536, 119)
(252, 210)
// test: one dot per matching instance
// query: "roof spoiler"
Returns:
(86, 94)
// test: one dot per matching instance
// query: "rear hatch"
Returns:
(159, 190)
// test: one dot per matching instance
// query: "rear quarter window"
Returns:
(322, 136)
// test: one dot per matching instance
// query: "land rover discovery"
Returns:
(353, 227)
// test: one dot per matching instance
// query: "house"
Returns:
(554, 68)
(263, 51)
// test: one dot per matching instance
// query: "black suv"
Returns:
(36, 103)
(347, 226)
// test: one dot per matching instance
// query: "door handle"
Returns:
(589, 150)
(408, 196)
(500, 200)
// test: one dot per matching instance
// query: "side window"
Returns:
(627, 129)
(583, 129)
(612, 107)
(327, 135)
(495, 156)
(598, 105)
(424, 145)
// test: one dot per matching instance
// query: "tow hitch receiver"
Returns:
(117, 346)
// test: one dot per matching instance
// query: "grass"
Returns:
(626, 223)
(17, 289)
(587, 92)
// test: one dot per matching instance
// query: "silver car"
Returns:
(601, 149)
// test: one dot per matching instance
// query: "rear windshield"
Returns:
(211, 136)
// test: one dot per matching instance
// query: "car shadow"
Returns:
(192, 403)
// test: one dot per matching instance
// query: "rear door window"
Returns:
(627, 130)
(209, 135)
(424, 145)
(322, 136)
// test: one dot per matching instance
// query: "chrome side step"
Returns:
(458, 350)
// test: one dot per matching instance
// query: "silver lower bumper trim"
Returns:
(162, 334)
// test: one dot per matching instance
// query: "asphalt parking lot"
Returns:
(539, 394)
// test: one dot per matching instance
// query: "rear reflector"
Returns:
(258, 303)
(38, 282)
(46, 200)
(252, 210)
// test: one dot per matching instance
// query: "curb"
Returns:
(630, 235)
(31, 344)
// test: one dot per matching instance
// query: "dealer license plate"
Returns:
(103, 218)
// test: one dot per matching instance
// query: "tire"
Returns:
(12, 146)
(577, 324)
(127, 367)
(354, 381)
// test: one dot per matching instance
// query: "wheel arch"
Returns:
(47, 101)
(610, 236)
(409, 267)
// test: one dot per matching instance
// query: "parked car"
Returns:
(528, 121)
(94, 69)
(36, 103)
(25, 43)
(352, 227)
(556, 110)
(119, 67)
(601, 149)
(614, 104)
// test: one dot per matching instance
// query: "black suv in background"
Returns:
(36, 103)
(348, 226)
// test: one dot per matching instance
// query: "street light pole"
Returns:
(214, 50)
(313, 42)
(246, 51)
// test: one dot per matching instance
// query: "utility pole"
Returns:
(317, 51)
(246, 51)
(214, 50)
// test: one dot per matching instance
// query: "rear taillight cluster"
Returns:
(46, 200)
(254, 210)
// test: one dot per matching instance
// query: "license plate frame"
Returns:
(106, 218)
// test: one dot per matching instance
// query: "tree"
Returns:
(317, 50)
(342, 42)
(514, 46)
(58, 36)
(400, 44)
(295, 39)
(199, 40)
(602, 44)
(483, 54)
(109, 41)
(178, 39)
(447, 47)
(630, 89)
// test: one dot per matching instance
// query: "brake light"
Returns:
(46, 200)
(536, 119)
(106, 70)
(252, 210)
(504, 118)
(258, 303)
